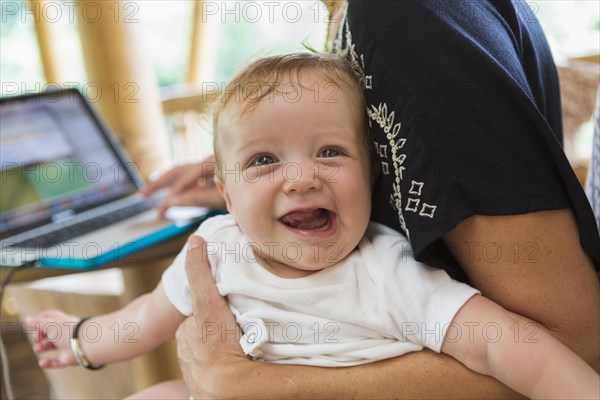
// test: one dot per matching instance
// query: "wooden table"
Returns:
(141, 272)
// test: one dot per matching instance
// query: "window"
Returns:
(20, 64)
(232, 33)
(572, 27)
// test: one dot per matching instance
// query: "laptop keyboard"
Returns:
(89, 225)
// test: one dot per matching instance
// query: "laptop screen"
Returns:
(56, 160)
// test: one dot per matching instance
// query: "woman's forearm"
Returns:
(215, 366)
(423, 374)
(550, 281)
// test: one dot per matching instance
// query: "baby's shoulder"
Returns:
(387, 248)
(381, 237)
(219, 227)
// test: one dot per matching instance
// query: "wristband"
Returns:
(78, 351)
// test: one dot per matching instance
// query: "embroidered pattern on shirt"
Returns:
(380, 116)
(344, 46)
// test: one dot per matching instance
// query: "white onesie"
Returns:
(378, 303)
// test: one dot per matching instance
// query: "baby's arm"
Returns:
(514, 350)
(137, 328)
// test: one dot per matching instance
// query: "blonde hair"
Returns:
(265, 76)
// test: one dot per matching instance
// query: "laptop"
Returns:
(69, 194)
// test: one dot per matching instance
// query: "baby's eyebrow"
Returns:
(253, 146)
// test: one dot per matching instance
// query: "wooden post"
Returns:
(194, 62)
(121, 80)
(48, 38)
(203, 43)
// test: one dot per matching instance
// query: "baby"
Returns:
(309, 279)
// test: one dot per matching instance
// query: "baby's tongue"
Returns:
(307, 219)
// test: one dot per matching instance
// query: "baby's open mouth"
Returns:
(318, 219)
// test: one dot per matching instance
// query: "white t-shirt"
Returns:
(378, 303)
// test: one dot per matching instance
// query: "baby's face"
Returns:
(296, 175)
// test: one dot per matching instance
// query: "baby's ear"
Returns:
(223, 192)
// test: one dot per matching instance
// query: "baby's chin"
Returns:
(299, 262)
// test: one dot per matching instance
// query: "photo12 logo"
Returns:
(54, 92)
(69, 11)
(268, 11)
(71, 249)
(68, 172)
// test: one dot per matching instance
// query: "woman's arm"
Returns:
(214, 365)
(133, 330)
(516, 351)
(533, 265)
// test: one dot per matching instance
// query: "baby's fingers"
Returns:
(56, 362)
(39, 335)
(43, 345)
(52, 323)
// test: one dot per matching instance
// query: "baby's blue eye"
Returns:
(327, 153)
(263, 160)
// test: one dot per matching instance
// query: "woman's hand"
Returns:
(208, 341)
(53, 329)
(189, 185)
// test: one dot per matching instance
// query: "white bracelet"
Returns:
(78, 351)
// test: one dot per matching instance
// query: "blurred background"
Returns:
(224, 34)
(572, 27)
(235, 33)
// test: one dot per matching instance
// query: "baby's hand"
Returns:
(53, 330)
